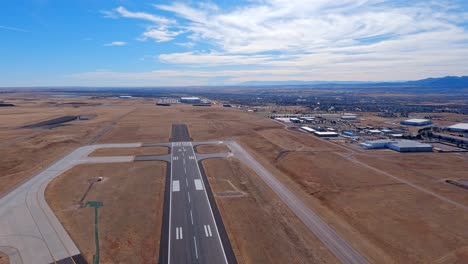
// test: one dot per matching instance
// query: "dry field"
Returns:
(4, 258)
(390, 222)
(261, 228)
(130, 220)
(26, 151)
(208, 149)
(129, 151)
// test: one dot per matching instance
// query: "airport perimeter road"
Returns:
(334, 242)
(193, 233)
(29, 230)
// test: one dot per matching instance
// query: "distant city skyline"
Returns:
(195, 43)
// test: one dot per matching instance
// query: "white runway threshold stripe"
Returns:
(198, 185)
(175, 186)
(179, 234)
(208, 231)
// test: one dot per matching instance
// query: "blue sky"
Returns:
(167, 43)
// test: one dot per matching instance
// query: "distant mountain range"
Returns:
(444, 82)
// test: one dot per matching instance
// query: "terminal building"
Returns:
(398, 145)
(190, 100)
(416, 122)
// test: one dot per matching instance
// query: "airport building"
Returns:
(416, 122)
(319, 133)
(190, 100)
(461, 127)
(348, 117)
(401, 145)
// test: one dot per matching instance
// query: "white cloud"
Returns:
(116, 43)
(314, 39)
(13, 29)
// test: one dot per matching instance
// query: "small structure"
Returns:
(374, 131)
(190, 100)
(398, 145)
(416, 122)
(295, 120)
(125, 96)
(460, 127)
(349, 117)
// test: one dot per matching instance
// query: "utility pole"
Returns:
(96, 205)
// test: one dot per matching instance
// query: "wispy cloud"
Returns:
(116, 43)
(348, 39)
(13, 29)
(159, 31)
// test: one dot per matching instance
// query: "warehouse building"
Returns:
(398, 145)
(190, 100)
(409, 146)
(325, 134)
(416, 122)
(460, 127)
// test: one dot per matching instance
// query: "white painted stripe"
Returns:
(177, 232)
(209, 230)
(186, 182)
(198, 185)
(175, 186)
(206, 231)
(181, 236)
(188, 196)
(191, 216)
(196, 249)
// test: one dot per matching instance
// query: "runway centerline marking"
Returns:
(188, 196)
(191, 216)
(195, 245)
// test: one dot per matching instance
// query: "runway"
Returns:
(193, 232)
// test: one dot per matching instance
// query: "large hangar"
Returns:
(460, 127)
(416, 122)
(398, 145)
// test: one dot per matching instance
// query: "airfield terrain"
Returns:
(368, 197)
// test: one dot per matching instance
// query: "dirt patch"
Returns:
(110, 152)
(261, 228)
(130, 220)
(208, 149)
(4, 258)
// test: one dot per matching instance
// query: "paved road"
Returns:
(334, 242)
(193, 233)
(29, 230)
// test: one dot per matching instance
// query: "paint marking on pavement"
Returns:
(184, 162)
(188, 196)
(191, 216)
(198, 185)
(186, 182)
(179, 234)
(208, 231)
(175, 158)
(175, 186)
(195, 245)
(185, 170)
